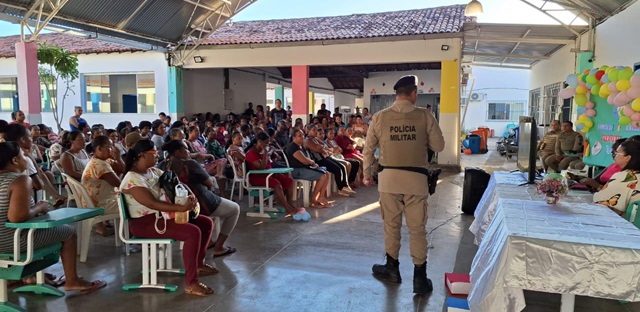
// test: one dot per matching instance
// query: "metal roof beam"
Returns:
(37, 12)
(519, 39)
(514, 46)
(206, 7)
(512, 56)
(500, 66)
(126, 22)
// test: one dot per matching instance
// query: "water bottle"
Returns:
(182, 196)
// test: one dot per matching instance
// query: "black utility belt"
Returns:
(412, 169)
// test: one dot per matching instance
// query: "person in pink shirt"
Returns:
(603, 178)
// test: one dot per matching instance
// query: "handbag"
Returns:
(168, 182)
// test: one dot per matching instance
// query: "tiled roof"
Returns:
(75, 44)
(446, 19)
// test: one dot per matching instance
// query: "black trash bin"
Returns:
(475, 182)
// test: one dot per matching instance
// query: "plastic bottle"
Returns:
(182, 196)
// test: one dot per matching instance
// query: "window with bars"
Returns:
(505, 110)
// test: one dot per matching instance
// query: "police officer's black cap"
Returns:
(405, 82)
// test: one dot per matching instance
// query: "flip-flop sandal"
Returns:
(58, 282)
(202, 291)
(207, 269)
(59, 203)
(227, 251)
(95, 285)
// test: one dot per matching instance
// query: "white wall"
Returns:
(113, 63)
(327, 53)
(204, 90)
(431, 79)
(496, 84)
(553, 70)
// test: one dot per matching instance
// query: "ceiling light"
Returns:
(474, 8)
(198, 59)
(444, 47)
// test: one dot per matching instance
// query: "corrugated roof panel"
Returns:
(174, 19)
(109, 13)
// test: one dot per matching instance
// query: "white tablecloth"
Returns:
(568, 248)
(505, 185)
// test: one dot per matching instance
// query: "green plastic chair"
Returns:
(632, 213)
(153, 249)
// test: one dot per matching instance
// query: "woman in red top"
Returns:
(348, 147)
(257, 158)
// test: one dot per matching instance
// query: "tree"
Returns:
(57, 64)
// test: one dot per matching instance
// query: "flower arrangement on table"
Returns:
(553, 188)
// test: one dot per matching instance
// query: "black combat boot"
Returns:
(389, 272)
(421, 284)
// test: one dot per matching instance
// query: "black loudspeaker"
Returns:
(475, 182)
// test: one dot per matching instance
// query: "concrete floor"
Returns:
(282, 265)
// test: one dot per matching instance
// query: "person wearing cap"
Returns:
(403, 179)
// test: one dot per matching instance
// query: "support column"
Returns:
(450, 113)
(300, 92)
(279, 95)
(176, 99)
(29, 81)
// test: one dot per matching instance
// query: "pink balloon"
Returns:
(635, 80)
(567, 93)
(628, 111)
(635, 124)
(613, 88)
(634, 92)
(635, 117)
(621, 99)
(590, 105)
(590, 113)
(610, 98)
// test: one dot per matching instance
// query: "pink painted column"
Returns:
(300, 92)
(29, 81)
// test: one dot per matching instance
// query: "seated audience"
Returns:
(304, 168)
(352, 165)
(74, 158)
(568, 143)
(348, 147)
(17, 205)
(144, 199)
(257, 158)
(622, 188)
(41, 181)
(237, 153)
(359, 128)
(201, 183)
(157, 137)
(323, 158)
(18, 117)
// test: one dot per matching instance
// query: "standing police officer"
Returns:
(404, 133)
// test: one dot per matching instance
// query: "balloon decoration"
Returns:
(619, 85)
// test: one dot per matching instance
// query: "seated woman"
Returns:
(352, 165)
(258, 159)
(40, 181)
(304, 168)
(201, 183)
(622, 188)
(236, 152)
(99, 178)
(17, 205)
(74, 158)
(348, 147)
(359, 128)
(38, 139)
(142, 194)
(603, 178)
(323, 158)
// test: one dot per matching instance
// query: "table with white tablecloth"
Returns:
(569, 248)
(505, 184)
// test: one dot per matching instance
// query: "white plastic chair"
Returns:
(83, 200)
(63, 182)
(263, 193)
(302, 185)
(236, 179)
(153, 249)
